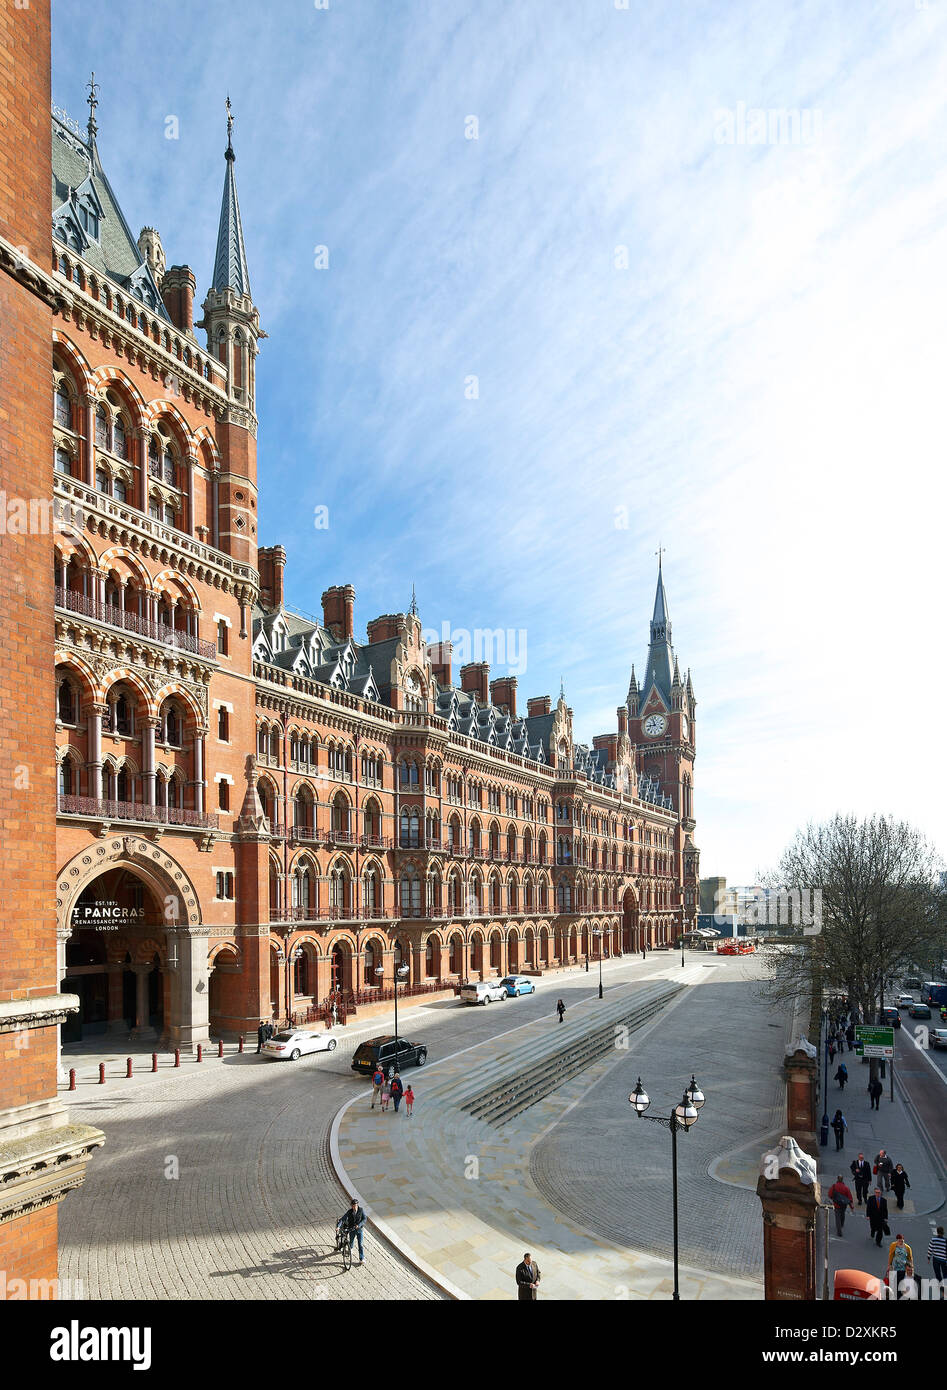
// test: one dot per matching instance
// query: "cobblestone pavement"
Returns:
(604, 1167)
(251, 1213)
(476, 1201)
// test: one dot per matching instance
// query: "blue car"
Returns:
(518, 984)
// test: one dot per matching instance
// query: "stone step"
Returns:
(539, 1069)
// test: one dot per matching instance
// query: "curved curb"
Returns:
(382, 1227)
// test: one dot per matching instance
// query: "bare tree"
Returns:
(881, 910)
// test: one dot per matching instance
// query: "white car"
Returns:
(293, 1042)
(482, 992)
(937, 1037)
(905, 1001)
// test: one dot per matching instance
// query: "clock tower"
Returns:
(661, 715)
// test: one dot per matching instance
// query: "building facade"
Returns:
(258, 811)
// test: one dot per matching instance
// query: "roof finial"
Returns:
(228, 153)
(93, 101)
(562, 689)
(413, 610)
(659, 552)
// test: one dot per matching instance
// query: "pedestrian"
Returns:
(937, 1254)
(378, 1080)
(850, 1037)
(884, 1168)
(385, 1093)
(875, 1090)
(270, 1029)
(260, 1036)
(644, 954)
(839, 1125)
(841, 1075)
(876, 1210)
(861, 1172)
(397, 1090)
(560, 1009)
(841, 1198)
(899, 1181)
(527, 1279)
(831, 1044)
(409, 1099)
(900, 1261)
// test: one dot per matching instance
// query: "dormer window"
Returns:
(90, 221)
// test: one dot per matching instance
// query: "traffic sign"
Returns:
(868, 1050)
(874, 1036)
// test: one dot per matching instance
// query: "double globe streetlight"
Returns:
(683, 1116)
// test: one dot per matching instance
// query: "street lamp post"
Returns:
(400, 973)
(597, 933)
(824, 1128)
(683, 1116)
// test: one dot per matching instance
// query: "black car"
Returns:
(393, 1054)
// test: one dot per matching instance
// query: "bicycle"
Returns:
(343, 1246)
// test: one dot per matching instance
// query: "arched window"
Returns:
(65, 777)
(119, 442)
(63, 406)
(172, 724)
(410, 893)
(62, 462)
(102, 433)
(68, 703)
(371, 897)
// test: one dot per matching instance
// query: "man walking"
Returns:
(841, 1198)
(861, 1172)
(260, 1036)
(884, 1168)
(876, 1210)
(378, 1080)
(841, 1075)
(937, 1254)
(397, 1090)
(527, 1279)
(875, 1090)
(560, 1009)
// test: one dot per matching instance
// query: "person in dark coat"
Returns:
(841, 1199)
(839, 1125)
(850, 1037)
(875, 1090)
(876, 1210)
(861, 1172)
(841, 1075)
(899, 1181)
(560, 1009)
(397, 1090)
(527, 1278)
(884, 1168)
(261, 1036)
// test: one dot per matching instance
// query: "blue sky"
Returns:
(693, 322)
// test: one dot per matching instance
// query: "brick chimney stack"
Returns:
(272, 563)
(623, 719)
(475, 678)
(503, 693)
(539, 704)
(178, 288)
(338, 609)
(440, 655)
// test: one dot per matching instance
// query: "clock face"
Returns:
(684, 726)
(655, 724)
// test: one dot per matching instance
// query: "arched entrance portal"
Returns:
(631, 940)
(115, 959)
(132, 946)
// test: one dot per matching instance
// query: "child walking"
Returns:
(385, 1094)
(409, 1099)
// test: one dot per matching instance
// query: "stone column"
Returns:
(115, 1023)
(94, 764)
(142, 1028)
(789, 1191)
(189, 1021)
(88, 406)
(148, 728)
(199, 736)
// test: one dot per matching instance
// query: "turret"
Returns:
(232, 324)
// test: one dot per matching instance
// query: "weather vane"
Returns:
(93, 101)
(229, 123)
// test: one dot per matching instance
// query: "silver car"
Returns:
(482, 992)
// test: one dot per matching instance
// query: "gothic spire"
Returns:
(413, 610)
(659, 670)
(230, 263)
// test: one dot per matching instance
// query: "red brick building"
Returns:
(42, 1155)
(257, 810)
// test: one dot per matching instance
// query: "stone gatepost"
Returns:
(802, 1088)
(789, 1191)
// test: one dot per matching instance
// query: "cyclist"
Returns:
(352, 1223)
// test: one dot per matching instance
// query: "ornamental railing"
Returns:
(133, 622)
(136, 810)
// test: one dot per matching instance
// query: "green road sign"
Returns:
(874, 1036)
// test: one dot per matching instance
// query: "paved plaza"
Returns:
(577, 1178)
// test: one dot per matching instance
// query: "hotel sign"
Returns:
(107, 916)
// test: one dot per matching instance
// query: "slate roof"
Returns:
(79, 179)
